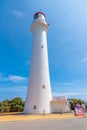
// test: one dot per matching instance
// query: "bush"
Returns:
(14, 105)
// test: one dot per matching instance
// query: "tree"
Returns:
(74, 101)
(14, 105)
(17, 105)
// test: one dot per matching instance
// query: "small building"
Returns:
(59, 105)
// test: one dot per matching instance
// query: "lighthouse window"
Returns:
(36, 16)
(41, 46)
(44, 87)
(34, 107)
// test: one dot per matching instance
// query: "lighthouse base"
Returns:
(35, 109)
(56, 105)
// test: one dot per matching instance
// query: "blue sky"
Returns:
(67, 46)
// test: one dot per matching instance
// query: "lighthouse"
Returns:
(39, 90)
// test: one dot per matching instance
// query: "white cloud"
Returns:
(15, 78)
(14, 88)
(66, 84)
(17, 13)
(56, 84)
(12, 78)
(70, 94)
(84, 59)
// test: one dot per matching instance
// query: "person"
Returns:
(75, 109)
(84, 109)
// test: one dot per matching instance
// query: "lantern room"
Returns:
(39, 15)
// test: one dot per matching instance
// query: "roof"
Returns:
(40, 13)
(59, 99)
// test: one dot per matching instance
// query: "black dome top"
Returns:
(39, 13)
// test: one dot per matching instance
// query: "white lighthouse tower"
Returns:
(39, 91)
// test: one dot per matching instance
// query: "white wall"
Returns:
(58, 107)
(39, 74)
